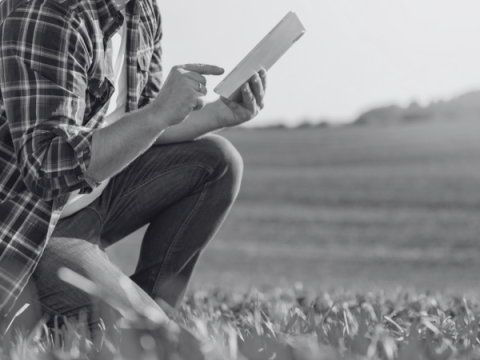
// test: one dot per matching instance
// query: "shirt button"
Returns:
(80, 177)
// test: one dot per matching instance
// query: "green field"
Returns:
(354, 207)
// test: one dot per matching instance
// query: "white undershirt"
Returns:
(116, 108)
(118, 102)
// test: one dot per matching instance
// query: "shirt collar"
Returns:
(109, 16)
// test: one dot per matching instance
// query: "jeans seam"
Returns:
(163, 174)
(160, 276)
(96, 212)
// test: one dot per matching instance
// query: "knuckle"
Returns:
(177, 71)
(200, 103)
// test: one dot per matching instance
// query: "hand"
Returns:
(183, 92)
(247, 106)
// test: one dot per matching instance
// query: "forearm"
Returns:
(117, 145)
(199, 123)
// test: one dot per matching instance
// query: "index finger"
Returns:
(204, 69)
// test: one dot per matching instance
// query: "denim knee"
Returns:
(224, 159)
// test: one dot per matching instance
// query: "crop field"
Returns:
(355, 243)
(282, 324)
(374, 207)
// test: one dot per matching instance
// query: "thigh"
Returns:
(75, 245)
(151, 184)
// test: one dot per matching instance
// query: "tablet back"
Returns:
(264, 55)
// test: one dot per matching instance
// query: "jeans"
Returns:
(183, 191)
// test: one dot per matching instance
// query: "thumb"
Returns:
(227, 101)
(230, 103)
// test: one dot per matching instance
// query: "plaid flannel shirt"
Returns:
(54, 82)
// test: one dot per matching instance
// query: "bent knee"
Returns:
(224, 158)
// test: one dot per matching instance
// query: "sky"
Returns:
(355, 54)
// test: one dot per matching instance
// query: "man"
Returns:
(93, 146)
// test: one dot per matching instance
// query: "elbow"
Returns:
(48, 186)
(36, 185)
(52, 167)
(45, 185)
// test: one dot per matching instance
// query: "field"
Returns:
(343, 244)
(350, 207)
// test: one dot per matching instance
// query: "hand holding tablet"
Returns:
(264, 55)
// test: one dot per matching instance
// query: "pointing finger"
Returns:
(203, 69)
(196, 77)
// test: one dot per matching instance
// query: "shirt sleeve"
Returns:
(155, 70)
(43, 77)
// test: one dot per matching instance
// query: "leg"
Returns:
(75, 245)
(87, 258)
(184, 191)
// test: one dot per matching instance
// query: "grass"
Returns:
(277, 323)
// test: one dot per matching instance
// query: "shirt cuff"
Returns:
(80, 139)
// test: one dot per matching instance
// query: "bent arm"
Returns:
(198, 124)
(43, 90)
(44, 80)
(117, 145)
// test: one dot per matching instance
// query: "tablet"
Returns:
(264, 55)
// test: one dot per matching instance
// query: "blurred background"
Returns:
(363, 170)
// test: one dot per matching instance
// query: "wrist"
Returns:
(217, 118)
(155, 119)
